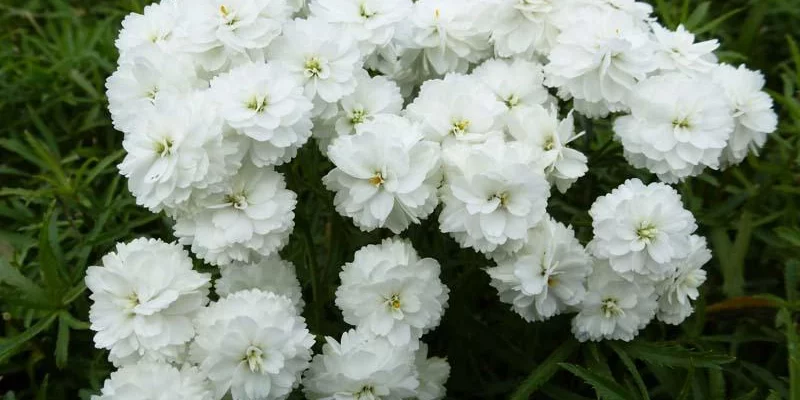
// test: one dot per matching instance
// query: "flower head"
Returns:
(641, 229)
(155, 27)
(373, 96)
(678, 126)
(177, 151)
(545, 277)
(457, 108)
(324, 59)
(389, 291)
(145, 76)
(266, 104)
(386, 175)
(599, 58)
(253, 345)
(492, 195)
(144, 297)
(614, 308)
(251, 215)
(516, 83)
(548, 136)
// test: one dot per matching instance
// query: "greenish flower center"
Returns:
(255, 359)
(313, 66)
(646, 231)
(610, 308)
(164, 147)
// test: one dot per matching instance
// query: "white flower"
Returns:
(678, 51)
(548, 136)
(615, 308)
(752, 110)
(386, 175)
(143, 77)
(678, 126)
(373, 96)
(155, 27)
(177, 150)
(270, 274)
(450, 33)
(457, 108)
(525, 27)
(253, 345)
(251, 216)
(389, 291)
(492, 195)
(323, 58)
(223, 31)
(600, 58)
(546, 276)
(517, 83)
(265, 103)
(678, 290)
(371, 22)
(433, 373)
(155, 381)
(361, 367)
(641, 229)
(144, 297)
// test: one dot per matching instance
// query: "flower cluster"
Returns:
(463, 111)
(392, 297)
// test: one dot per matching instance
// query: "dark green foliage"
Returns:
(63, 205)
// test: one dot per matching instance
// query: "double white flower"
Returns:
(493, 193)
(386, 175)
(389, 291)
(144, 297)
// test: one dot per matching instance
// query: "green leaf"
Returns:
(606, 388)
(675, 356)
(698, 15)
(10, 347)
(25, 287)
(62, 341)
(629, 364)
(50, 257)
(544, 371)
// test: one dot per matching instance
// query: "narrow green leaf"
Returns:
(698, 15)
(13, 344)
(716, 382)
(544, 371)
(50, 261)
(675, 356)
(606, 388)
(629, 364)
(26, 287)
(62, 341)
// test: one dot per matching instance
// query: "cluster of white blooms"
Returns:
(392, 297)
(465, 106)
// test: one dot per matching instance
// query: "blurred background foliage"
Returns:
(63, 205)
